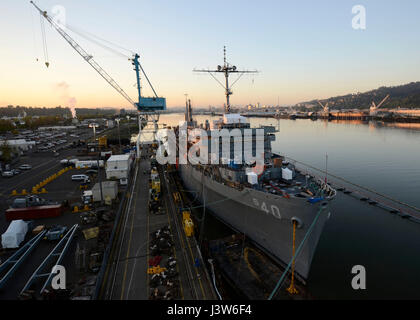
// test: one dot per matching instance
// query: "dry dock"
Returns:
(133, 271)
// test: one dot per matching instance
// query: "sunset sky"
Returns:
(303, 50)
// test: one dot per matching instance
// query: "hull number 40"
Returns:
(268, 209)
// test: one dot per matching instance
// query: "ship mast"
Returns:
(226, 69)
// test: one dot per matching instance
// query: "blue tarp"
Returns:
(315, 200)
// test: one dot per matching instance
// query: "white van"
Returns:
(80, 177)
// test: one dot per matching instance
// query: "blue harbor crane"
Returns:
(148, 107)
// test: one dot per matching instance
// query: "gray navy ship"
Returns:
(266, 207)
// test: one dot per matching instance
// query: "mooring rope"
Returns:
(296, 254)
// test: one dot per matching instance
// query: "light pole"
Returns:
(94, 126)
(129, 131)
(119, 136)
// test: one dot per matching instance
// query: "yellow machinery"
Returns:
(155, 270)
(177, 197)
(156, 185)
(103, 141)
(188, 224)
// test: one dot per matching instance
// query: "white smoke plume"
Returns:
(62, 88)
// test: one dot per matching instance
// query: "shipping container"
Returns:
(32, 213)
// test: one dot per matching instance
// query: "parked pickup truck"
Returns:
(55, 233)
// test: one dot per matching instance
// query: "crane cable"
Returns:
(97, 40)
(147, 78)
(44, 41)
(34, 36)
(76, 30)
(91, 37)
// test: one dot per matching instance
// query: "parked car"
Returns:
(7, 174)
(80, 177)
(15, 171)
(25, 167)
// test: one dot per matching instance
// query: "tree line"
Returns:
(31, 123)
(15, 111)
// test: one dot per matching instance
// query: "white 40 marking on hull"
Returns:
(274, 210)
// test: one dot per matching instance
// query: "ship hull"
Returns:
(265, 218)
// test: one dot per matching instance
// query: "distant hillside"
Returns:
(405, 96)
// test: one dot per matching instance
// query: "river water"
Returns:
(383, 157)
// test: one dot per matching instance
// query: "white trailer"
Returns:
(87, 164)
(118, 166)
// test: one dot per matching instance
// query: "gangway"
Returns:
(59, 251)
(16, 260)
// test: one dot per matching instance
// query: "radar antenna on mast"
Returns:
(226, 69)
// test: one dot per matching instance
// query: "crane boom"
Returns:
(382, 102)
(87, 57)
(324, 107)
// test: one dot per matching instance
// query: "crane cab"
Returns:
(150, 104)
